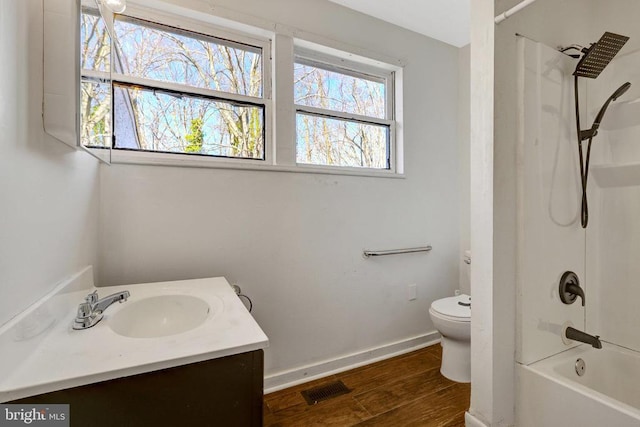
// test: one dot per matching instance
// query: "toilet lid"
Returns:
(450, 307)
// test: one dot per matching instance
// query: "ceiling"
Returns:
(444, 20)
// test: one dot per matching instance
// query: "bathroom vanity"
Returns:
(220, 392)
(175, 353)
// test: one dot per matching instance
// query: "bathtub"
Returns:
(550, 393)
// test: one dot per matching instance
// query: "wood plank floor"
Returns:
(407, 390)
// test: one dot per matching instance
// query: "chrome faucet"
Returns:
(90, 311)
(576, 335)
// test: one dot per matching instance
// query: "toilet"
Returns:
(451, 316)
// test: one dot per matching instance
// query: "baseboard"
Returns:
(471, 421)
(289, 378)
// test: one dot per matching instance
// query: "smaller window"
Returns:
(343, 116)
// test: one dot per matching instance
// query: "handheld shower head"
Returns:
(620, 91)
(617, 94)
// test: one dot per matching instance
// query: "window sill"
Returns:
(159, 159)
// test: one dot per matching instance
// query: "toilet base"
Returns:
(456, 360)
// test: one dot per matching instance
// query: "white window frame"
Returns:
(359, 70)
(160, 19)
(279, 51)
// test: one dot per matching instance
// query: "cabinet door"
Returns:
(221, 392)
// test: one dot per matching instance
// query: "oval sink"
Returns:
(159, 316)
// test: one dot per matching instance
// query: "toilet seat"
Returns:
(448, 308)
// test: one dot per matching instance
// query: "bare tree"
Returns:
(336, 141)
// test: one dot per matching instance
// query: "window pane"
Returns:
(95, 119)
(156, 120)
(94, 42)
(170, 55)
(336, 142)
(320, 88)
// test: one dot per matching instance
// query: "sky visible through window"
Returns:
(320, 88)
(150, 118)
(161, 100)
(95, 97)
(333, 141)
(171, 56)
(187, 124)
(327, 141)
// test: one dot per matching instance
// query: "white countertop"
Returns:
(60, 357)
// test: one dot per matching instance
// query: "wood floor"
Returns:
(407, 390)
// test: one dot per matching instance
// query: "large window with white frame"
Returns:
(173, 91)
(344, 113)
(166, 89)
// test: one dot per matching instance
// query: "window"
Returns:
(343, 116)
(173, 91)
(95, 87)
(157, 88)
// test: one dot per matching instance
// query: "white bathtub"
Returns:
(551, 393)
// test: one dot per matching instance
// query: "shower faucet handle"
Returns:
(570, 289)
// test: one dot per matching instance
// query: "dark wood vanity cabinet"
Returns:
(219, 392)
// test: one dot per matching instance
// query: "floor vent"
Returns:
(324, 392)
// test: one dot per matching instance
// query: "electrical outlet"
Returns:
(412, 292)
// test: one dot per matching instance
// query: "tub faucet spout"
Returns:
(576, 335)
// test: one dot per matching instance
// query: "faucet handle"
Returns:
(84, 310)
(569, 288)
(92, 298)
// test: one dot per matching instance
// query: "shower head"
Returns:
(620, 91)
(599, 55)
(617, 94)
(590, 133)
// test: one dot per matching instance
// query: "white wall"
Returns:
(485, 386)
(293, 241)
(464, 141)
(48, 192)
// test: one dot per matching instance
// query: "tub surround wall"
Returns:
(551, 24)
(294, 241)
(612, 254)
(612, 238)
(549, 232)
(49, 191)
